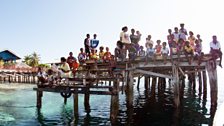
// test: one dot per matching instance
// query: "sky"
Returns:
(53, 28)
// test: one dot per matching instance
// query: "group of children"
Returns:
(178, 41)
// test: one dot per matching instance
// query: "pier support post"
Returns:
(86, 99)
(200, 82)
(153, 87)
(76, 106)
(130, 95)
(39, 99)
(146, 83)
(204, 82)
(139, 78)
(176, 85)
(212, 74)
(65, 100)
(114, 104)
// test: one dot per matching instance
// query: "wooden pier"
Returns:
(12, 76)
(96, 79)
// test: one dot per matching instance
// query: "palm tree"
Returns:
(32, 60)
(35, 58)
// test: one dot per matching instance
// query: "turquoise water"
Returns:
(151, 108)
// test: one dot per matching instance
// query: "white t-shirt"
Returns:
(183, 36)
(165, 51)
(124, 37)
(176, 36)
(215, 46)
(148, 42)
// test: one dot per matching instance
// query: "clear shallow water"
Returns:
(154, 108)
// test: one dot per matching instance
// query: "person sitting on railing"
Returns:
(41, 75)
(132, 52)
(188, 50)
(141, 52)
(158, 48)
(197, 51)
(150, 53)
(107, 55)
(216, 50)
(180, 48)
(112, 65)
(74, 67)
(191, 39)
(64, 69)
(82, 56)
(165, 52)
(119, 51)
(70, 59)
(101, 53)
(93, 55)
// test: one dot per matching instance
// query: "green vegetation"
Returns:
(44, 65)
(32, 60)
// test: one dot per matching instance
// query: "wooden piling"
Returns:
(199, 82)
(204, 82)
(212, 74)
(76, 105)
(114, 104)
(39, 99)
(146, 83)
(153, 86)
(86, 99)
(193, 81)
(176, 85)
(130, 96)
(139, 78)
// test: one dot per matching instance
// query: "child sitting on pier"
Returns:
(64, 69)
(188, 50)
(197, 50)
(142, 52)
(132, 52)
(191, 39)
(107, 55)
(119, 51)
(165, 52)
(93, 55)
(150, 53)
(158, 48)
(82, 56)
(41, 75)
(112, 65)
(101, 53)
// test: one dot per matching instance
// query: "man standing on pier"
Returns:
(216, 50)
(87, 45)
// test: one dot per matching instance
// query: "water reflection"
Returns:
(152, 107)
(157, 108)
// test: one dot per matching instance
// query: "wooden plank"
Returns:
(153, 74)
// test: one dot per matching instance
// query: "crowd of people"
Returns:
(179, 42)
